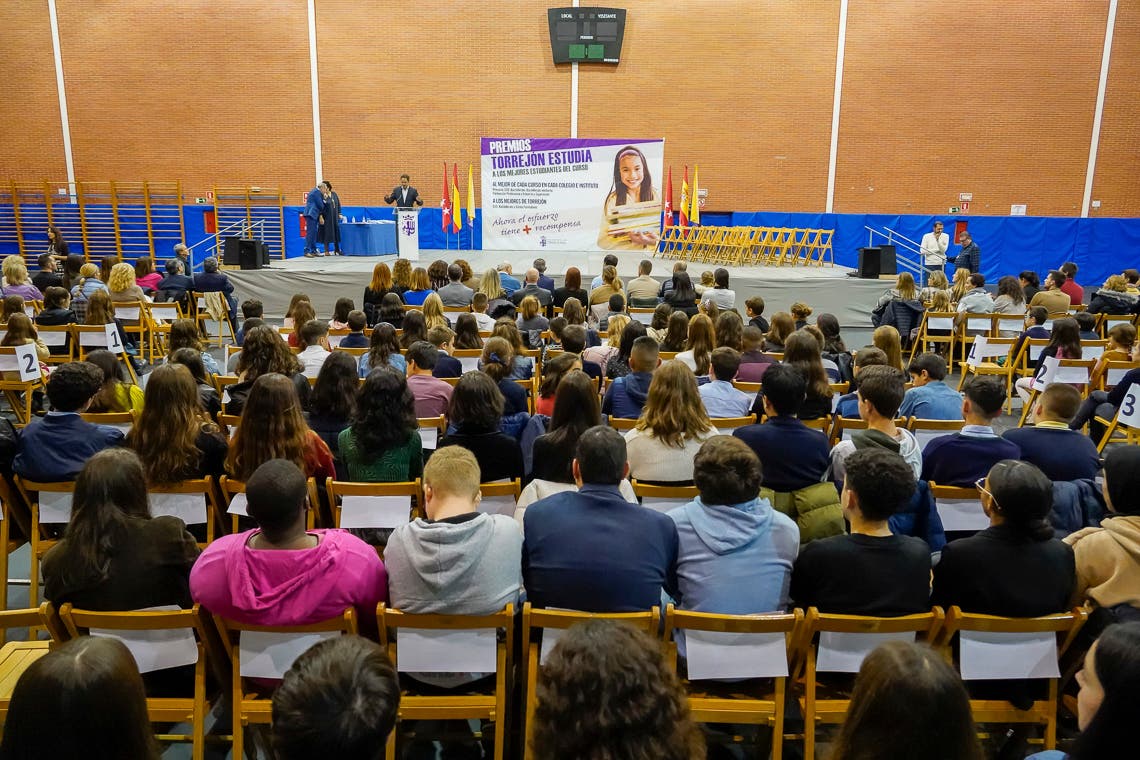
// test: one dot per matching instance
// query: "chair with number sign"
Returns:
(753, 652)
(90, 338)
(20, 392)
(1125, 422)
(540, 632)
(438, 644)
(1069, 371)
(839, 644)
(1013, 649)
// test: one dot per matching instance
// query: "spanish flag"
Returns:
(456, 209)
(470, 196)
(683, 211)
(695, 210)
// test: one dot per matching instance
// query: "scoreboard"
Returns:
(586, 35)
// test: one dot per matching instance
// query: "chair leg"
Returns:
(1051, 717)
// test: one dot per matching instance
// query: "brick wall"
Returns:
(996, 99)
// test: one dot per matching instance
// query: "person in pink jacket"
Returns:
(281, 574)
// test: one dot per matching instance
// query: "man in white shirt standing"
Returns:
(934, 245)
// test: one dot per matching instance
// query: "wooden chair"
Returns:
(95, 337)
(132, 316)
(1093, 349)
(500, 498)
(191, 501)
(725, 425)
(202, 317)
(1026, 359)
(222, 384)
(468, 358)
(373, 505)
(1119, 424)
(839, 644)
(60, 341)
(51, 505)
(19, 393)
(663, 498)
(943, 322)
(764, 646)
(1108, 374)
(283, 644)
(1109, 321)
(844, 426)
(120, 420)
(233, 493)
(160, 316)
(18, 656)
(540, 632)
(622, 423)
(960, 509)
(983, 359)
(132, 629)
(431, 430)
(474, 644)
(926, 431)
(1043, 639)
(1071, 372)
(970, 326)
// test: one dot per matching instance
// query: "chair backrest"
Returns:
(233, 491)
(373, 505)
(622, 423)
(959, 508)
(926, 431)
(735, 646)
(725, 425)
(11, 361)
(431, 429)
(468, 358)
(1114, 372)
(663, 498)
(500, 497)
(752, 389)
(846, 640)
(447, 643)
(940, 320)
(269, 651)
(985, 348)
(167, 311)
(992, 647)
(1093, 349)
(129, 312)
(157, 637)
(91, 337)
(54, 335)
(121, 420)
(191, 501)
(552, 622)
(644, 316)
(52, 501)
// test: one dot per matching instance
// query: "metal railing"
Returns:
(243, 227)
(901, 242)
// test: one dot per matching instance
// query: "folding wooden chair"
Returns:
(18, 656)
(233, 493)
(983, 359)
(758, 648)
(1026, 358)
(267, 653)
(970, 326)
(1093, 349)
(150, 636)
(19, 393)
(1013, 649)
(90, 338)
(823, 248)
(500, 498)
(839, 644)
(133, 317)
(1109, 321)
(926, 431)
(451, 644)
(845, 426)
(468, 358)
(60, 342)
(725, 425)
(202, 317)
(540, 633)
(1123, 422)
(51, 506)
(119, 420)
(160, 316)
(943, 322)
(1070, 372)
(1108, 374)
(960, 509)
(431, 430)
(191, 501)
(373, 505)
(663, 498)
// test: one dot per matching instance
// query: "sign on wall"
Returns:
(571, 194)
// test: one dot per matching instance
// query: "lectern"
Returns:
(408, 233)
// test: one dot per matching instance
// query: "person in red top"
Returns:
(1074, 291)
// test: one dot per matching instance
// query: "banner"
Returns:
(571, 194)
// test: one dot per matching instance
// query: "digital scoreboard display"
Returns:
(586, 35)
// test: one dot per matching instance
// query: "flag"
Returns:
(470, 196)
(684, 213)
(456, 206)
(695, 213)
(445, 201)
(669, 199)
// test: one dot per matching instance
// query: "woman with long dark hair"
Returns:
(384, 351)
(415, 329)
(382, 445)
(676, 333)
(699, 345)
(571, 288)
(576, 410)
(391, 311)
(207, 393)
(475, 416)
(263, 352)
(115, 395)
(467, 332)
(683, 296)
(1064, 343)
(332, 404)
(174, 437)
(802, 352)
(553, 371)
(618, 364)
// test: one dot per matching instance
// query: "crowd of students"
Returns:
(783, 518)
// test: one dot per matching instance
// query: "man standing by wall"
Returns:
(934, 245)
(314, 209)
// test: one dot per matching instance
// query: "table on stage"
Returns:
(376, 238)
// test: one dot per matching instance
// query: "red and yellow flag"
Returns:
(684, 210)
(456, 206)
(695, 210)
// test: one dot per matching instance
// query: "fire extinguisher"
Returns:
(304, 225)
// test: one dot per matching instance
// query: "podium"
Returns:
(408, 233)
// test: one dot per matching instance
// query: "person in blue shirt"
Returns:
(721, 399)
(793, 455)
(507, 279)
(625, 398)
(964, 458)
(930, 398)
(591, 550)
(868, 356)
(544, 282)
(1060, 453)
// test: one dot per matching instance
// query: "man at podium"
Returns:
(404, 195)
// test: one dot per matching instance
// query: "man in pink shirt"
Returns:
(281, 574)
(432, 395)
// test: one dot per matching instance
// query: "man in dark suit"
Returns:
(544, 282)
(330, 224)
(592, 550)
(213, 281)
(314, 208)
(404, 195)
(55, 448)
(532, 288)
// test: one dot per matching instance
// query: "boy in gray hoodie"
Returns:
(881, 392)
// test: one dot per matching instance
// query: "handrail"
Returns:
(243, 224)
(913, 265)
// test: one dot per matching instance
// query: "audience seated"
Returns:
(84, 698)
(507, 279)
(332, 405)
(114, 556)
(356, 338)
(457, 561)
(672, 426)
(446, 365)
(1108, 557)
(55, 447)
(530, 288)
(263, 353)
(719, 396)
(930, 398)
(1070, 287)
(213, 281)
(1053, 297)
(575, 411)
(793, 455)
(553, 370)
(338, 699)
(643, 289)
(314, 344)
(802, 351)
(961, 459)
(475, 418)
(432, 395)
(870, 571)
(279, 573)
(251, 308)
(908, 702)
(1035, 319)
(574, 342)
(1060, 453)
(1014, 568)
(753, 361)
(208, 396)
(1113, 298)
(868, 356)
(735, 551)
(880, 394)
(977, 299)
(382, 444)
(498, 359)
(614, 679)
(626, 396)
(115, 394)
(1088, 325)
(699, 345)
(522, 368)
(609, 285)
(571, 288)
(383, 351)
(591, 549)
(184, 333)
(455, 294)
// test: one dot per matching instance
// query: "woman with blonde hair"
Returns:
(601, 355)
(961, 285)
(781, 326)
(671, 429)
(419, 289)
(433, 312)
(522, 366)
(16, 280)
(699, 345)
(122, 286)
(377, 288)
(935, 283)
(800, 313)
(802, 351)
(491, 286)
(401, 275)
(88, 284)
(531, 319)
(886, 337)
(1113, 298)
(904, 290)
(611, 285)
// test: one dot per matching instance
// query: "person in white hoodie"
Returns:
(736, 551)
(881, 392)
(458, 561)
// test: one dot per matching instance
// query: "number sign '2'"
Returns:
(29, 362)
(1129, 414)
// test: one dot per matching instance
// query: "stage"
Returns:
(825, 289)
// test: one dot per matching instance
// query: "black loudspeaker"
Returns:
(887, 263)
(254, 254)
(870, 261)
(231, 251)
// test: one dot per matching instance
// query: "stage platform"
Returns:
(825, 289)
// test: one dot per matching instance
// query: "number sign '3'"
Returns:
(1129, 414)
